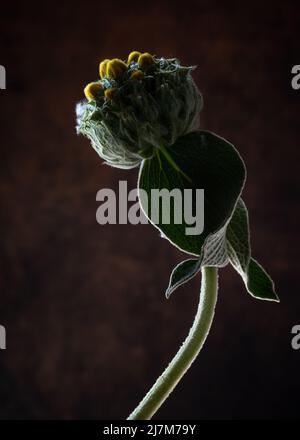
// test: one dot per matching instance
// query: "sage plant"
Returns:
(144, 112)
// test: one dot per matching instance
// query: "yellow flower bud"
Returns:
(138, 74)
(92, 90)
(110, 93)
(145, 60)
(133, 57)
(115, 68)
(103, 68)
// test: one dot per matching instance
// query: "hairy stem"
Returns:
(187, 352)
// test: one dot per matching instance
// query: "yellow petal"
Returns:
(145, 60)
(103, 68)
(138, 74)
(110, 93)
(133, 56)
(92, 90)
(115, 68)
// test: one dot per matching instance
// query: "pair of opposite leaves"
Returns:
(213, 164)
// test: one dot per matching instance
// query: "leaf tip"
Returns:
(259, 284)
(168, 292)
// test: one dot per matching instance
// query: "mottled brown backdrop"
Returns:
(88, 326)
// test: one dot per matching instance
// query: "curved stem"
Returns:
(187, 352)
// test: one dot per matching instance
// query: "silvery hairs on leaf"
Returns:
(143, 114)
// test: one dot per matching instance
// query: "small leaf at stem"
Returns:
(257, 281)
(238, 238)
(182, 273)
(259, 284)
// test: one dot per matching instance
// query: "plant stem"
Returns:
(187, 352)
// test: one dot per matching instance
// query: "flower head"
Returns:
(137, 106)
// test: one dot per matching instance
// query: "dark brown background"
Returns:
(88, 327)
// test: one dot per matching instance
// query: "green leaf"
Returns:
(257, 281)
(182, 273)
(198, 160)
(238, 238)
(259, 284)
(215, 250)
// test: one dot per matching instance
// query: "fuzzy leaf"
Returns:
(215, 250)
(210, 163)
(182, 273)
(257, 281)
(238, 238)
(259, 284)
